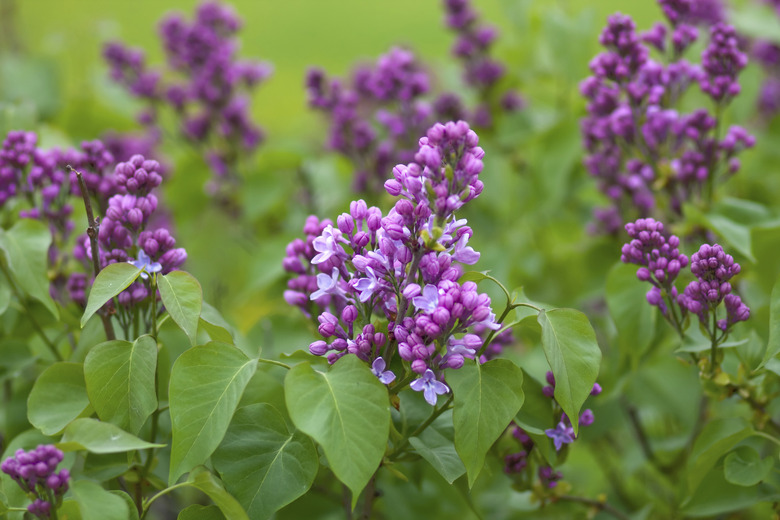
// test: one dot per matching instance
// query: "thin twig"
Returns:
(92, 232)
(598, 504)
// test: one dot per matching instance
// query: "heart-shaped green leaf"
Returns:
(109, 282)
(183, 298)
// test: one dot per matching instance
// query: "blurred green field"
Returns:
(291, 34)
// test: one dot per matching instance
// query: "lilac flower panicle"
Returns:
(402, 267)
(35, 472)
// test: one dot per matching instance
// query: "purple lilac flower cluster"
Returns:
(659, 257)
(661, 262)
(374, 118)
(403, 266)
(638, 145)
(563, 433)
(123, 234)
(480, 71)
(37, 183)
(204, 85)
(767, 54)
(35, 472)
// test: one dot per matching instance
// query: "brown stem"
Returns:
(346, 500)
(598, 504)
(368, 501)
(92, 232)
(755, 405)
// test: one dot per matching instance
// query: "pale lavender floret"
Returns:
(429, 386)
(144, 262)
(429, 299)
(378, 369)
(369, 285)
(327, 284)
(327, 245)
(464, 253)
(561, 434)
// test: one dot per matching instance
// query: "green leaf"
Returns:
(100, 437)
(717, 438)
(745, 467)
(131, 509)
(58, 396)
(204, 480)
(206, 385)
(574, 356)
(183, 298)
(215, 325)
(536, 416)
(773, 346)
(262, 463)
(199, 512)
(120, 381)
(487, 398)
(634, 318)
(26, 248)
(735, 234)
(5, 296)
(109, 282)
(715, 497)
(436, 445)
(95, 503)
(345, 410)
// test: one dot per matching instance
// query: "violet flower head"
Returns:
(429, 386)
(35, 472)
(722, 61)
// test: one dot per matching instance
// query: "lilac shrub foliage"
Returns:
(35, 472)
(647, 156)
(375, 116)
(204, 87)
(404, 267)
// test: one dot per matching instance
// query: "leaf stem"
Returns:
(92, 232)
(158, 495)
(38, 329)
(598, 504)
(274, 362)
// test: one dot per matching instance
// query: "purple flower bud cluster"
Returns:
(204, 85)
(661, 262)
(693, 12)
(403, 266)
(659, 257)
(35, 472)
(480, 71)
(713, 269)
(639, 145)
(123, 234)
(373, 119)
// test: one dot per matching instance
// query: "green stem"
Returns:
(434, 415)
(158, 495)
(273, 362)
(154, 305)
(29, 314)
(766, 436)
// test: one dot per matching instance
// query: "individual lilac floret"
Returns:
(561, 434)
(378, 369)
(35, 472)
(145, 263)
(429, 386)
(549, 477)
